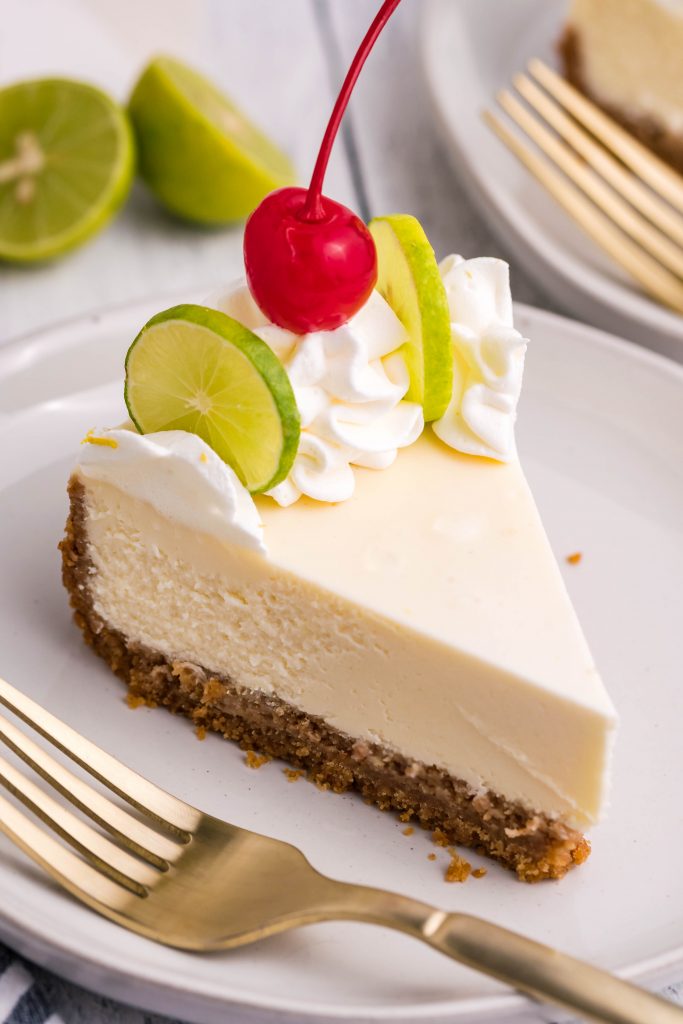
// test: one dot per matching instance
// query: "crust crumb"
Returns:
(478, 872)
(200, 732)
(458, 870)
(293, 774)
(408, 831)
(574, 558)
(136, 700)
(254, 760)
(582, 852)
(532, 825)
(431, 856)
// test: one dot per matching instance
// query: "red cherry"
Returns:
(308, 275)
(311, 263)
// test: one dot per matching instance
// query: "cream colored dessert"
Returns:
(414, 641)
(444, 632)
(626, 54)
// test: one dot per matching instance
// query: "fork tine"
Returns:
(157, 849)
(180, 818)
(651, 274)
(660, 213)
(616, 208)
(99, 851)
(644, 163)
(60, 863)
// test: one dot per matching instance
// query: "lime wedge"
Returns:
(195, 369)
(66, 165)
(199, 154)
(409, 279)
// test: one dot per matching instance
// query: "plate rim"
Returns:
(158, 983)
(537, 248)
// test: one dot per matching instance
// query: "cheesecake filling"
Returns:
(197, 599)
(630, 56)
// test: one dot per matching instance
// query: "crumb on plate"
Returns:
(459, 869)
(254, 760)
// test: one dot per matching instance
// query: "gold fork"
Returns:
(624, 197)
(184, 878)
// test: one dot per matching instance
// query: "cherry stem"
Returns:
(312, 209)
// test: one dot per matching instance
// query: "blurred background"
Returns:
(282, 63)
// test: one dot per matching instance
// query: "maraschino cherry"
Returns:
(311, 263)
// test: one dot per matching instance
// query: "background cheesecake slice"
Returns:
(416, 643)
(627, 55)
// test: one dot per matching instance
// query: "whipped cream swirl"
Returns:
(349, 386)
(488, 359)
(180, 476)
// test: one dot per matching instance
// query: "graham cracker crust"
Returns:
(666, 144)
(534, 845)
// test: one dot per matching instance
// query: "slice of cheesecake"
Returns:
(626, 55)
(415, 643)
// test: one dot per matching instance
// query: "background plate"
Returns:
(600, 434)
(467, 58)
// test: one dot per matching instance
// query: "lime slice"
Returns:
(195, 369)
(409, 279)
(199, 154)
(66, 165)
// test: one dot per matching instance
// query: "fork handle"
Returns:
(545, 973)
(531, 967)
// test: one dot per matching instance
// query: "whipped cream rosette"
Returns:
(488, 359)
(349, 385)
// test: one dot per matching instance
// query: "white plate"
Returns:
(600, 435)
(470, 50)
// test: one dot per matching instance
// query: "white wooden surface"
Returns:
(281, 60)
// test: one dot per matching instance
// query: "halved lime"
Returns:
(66, 166)
(195, 369)
(409, 279)
(198, 153)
